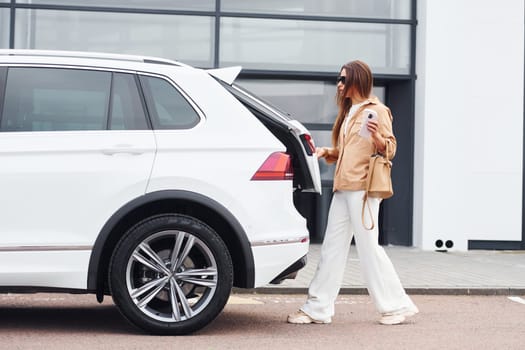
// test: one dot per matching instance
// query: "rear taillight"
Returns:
(308, 144)
(278, 166)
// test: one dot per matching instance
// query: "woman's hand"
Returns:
(380, 142)
(321, 152)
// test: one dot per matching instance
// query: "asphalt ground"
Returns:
(64, 321)
(467, 300)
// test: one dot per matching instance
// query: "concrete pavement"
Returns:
(476, 272)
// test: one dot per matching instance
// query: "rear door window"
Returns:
(51, 99)
(167, 106)
(60, 99)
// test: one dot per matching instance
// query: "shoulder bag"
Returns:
(378, 182)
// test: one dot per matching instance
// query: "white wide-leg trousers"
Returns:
(344, 220)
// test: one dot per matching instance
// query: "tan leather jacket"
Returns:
(353, 151)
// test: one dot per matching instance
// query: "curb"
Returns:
(488, 291)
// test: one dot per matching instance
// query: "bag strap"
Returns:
(365, 197)
(387, 151)
(365, 202)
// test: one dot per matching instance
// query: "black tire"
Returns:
(166, 300)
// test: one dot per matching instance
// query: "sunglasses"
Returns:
(340, 79)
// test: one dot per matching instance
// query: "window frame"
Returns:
(140, 94)
(3, 82)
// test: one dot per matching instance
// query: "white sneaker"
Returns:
(299, 317)
(392, 319)
(398, 317)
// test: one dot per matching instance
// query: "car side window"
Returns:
(167, 107)
(55, 99)
(127, 112)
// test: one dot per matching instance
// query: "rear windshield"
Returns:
(249, 98)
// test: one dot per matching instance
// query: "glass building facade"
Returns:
(291, 52)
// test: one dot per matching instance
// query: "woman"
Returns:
(352, 152)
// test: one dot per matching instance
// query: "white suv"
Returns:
(157, 183)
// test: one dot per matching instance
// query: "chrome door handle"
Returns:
(122, 149)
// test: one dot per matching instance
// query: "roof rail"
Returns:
(86, 54)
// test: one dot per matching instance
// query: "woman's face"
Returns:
(341, 81)
(341, 85)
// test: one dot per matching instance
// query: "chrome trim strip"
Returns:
(279, 241)
(29, 248)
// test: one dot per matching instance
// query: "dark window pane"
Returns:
(306, 101)
(127, 112)
(46, 99)
(277, 44)
(188, 39)
(5, 21)
(168, 108)
(399, 9)
(199, 5)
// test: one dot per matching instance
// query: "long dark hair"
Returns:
(358, 78)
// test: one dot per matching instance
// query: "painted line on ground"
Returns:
(517, 300)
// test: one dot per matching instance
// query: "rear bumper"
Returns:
(275, 261)
(291, 271)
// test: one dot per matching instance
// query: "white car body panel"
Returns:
(313, 163)
(223, 152)
(269, 259)
(65, 177)
(298, 129)
(228, 74)
(52, 268)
